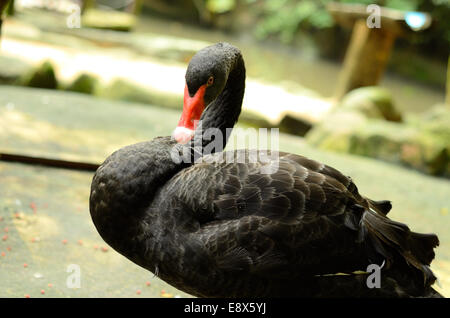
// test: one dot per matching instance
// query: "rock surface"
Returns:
(373, 102)
(421, 142)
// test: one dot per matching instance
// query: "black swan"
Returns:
(218, 229)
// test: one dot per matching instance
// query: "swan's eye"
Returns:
(210, 81)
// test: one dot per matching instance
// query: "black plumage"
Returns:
(220, 229)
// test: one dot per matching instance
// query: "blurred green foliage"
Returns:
(220, 6)
(284, 18)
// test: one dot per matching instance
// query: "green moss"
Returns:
(84, 83)
(373, 102)
(411, 144)
(435, 154)
(333, 133)
(41, 77)
(436, 121)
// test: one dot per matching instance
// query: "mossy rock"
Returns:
(85, 83)
(381, 139)
(401, 144)
(427, 154)
(435, 121)
(373, 102)
(335, 131)
(406, 144)
(111, 20)
(41, 77)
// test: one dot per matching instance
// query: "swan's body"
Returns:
(218, 229)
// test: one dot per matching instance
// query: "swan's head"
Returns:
(206, 77)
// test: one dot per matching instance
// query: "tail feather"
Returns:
(423, 243)
(383, 206)
(355, 285)
(389, 236)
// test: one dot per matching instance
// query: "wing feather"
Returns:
(254, 221)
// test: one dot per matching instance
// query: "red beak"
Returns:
(192, 110)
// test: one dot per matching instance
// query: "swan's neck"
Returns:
(223, 113)
(127, 203)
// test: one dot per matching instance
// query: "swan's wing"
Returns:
(289, 189)
(382, 206)
(249, 218)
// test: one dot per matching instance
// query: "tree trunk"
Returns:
(10, 9)
(137, 7)
(87, 4)
(3, 6)
(447, 96)
(366, 58)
